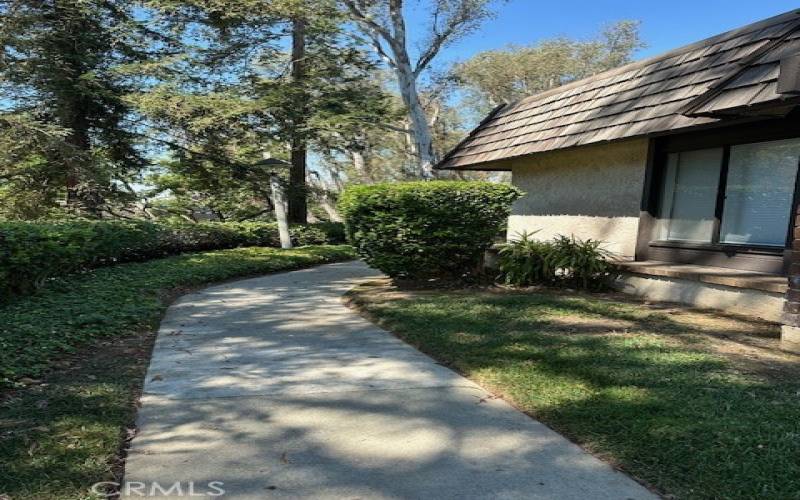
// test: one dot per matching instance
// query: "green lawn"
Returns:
(73, 357)
(692, 404)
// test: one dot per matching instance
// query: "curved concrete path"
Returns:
(274, 388)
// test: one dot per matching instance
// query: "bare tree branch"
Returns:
(372, 29)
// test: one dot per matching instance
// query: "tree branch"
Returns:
(398, 40)
(378, 47)
(439, 39)
(462, 20)
(373, 30)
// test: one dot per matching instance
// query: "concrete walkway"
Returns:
(272, 387)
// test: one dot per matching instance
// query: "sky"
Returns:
(665, 24)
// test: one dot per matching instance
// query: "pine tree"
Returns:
(61, 66)
(298, 79)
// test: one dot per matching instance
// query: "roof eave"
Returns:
(472, 132)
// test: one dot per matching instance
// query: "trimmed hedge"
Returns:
(32, 252)
(426, 229)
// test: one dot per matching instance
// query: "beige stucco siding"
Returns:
(590, 192)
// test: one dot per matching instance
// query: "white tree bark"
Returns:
(359, 164)
(279, 201)
(330, 209)
(420, 130)
(323, 197)
(383, 22)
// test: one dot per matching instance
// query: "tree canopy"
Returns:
(168, 108)
(506, 75)
(62, 65)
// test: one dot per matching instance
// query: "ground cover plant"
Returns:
(32, 252)
(73, 357)
(695, 405)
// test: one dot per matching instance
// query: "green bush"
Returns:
(32, 252)
(425, 229)
(563, 261)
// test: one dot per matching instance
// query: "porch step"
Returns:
(735, 278)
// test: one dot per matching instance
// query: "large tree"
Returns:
(505, 75)
(209, 156)
(62, 65)
(384, 24)
(287, 79)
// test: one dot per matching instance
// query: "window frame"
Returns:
(715, 223)
(719, 208)
(649, 246)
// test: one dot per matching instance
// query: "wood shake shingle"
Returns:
(732, 75)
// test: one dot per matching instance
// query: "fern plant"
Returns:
(563, 261)
(526, 261)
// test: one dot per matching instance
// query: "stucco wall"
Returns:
(591, 192)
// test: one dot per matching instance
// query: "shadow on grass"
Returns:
(649, 390)
(60, 436)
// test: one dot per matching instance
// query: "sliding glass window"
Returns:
(759, 193)
(689, 197)
(757, 186)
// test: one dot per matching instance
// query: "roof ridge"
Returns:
(793, 14)
(741, 67)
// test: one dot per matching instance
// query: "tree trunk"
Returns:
(71, 110)
(330, 208)
(78, 138)
(298, 204)
(279, 203)
(323, 197)
(359, 164)
(421, 131)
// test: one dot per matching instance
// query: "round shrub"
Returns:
(428, 228)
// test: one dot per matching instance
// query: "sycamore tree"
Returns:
(385, 150)
(59, 78)
(384, 24)
(497, 76)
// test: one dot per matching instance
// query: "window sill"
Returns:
(720, 247)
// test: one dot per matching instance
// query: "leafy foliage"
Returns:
(216, 129)
(31, 253)
(565, 261)
(113, 301)
(61, 65)
(424, 229)
(507, 75)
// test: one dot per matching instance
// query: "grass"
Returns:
(694, 405)
(73, 358)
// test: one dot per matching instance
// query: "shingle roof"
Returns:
(699, 84)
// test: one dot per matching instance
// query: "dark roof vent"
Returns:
(789, 79)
